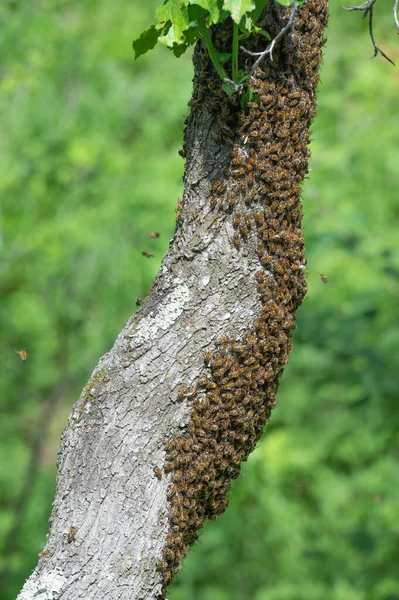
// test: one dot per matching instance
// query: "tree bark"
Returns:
(182, 397)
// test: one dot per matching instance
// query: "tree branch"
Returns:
(367, 7)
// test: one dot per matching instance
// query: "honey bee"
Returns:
(237, 240)
(236, 219)
(207, 357)
(71, 534)
(148, 254)
(218, 362)
(172, 491)
(139, 301)
(153, 235)
(161, 565)
(213, 201)
(322, 277)
(169, 555)
(231, 201)
(267, 99)
(234, 375)
(44, 553)
(157, 472)
(22, 354)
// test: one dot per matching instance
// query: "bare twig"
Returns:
(367, 7)
(269, 50)
(238, 87)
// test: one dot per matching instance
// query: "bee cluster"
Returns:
(233, 399)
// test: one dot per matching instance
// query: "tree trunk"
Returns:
(181, 399)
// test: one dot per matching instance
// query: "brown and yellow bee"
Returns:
(153, 235)
(71, 535)
(323, 278)
(22, 354)
(148, 254)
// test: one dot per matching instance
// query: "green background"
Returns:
(88, 167)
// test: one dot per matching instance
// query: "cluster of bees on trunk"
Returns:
(233, 399)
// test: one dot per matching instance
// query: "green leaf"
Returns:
(248, 96)
(178, 49)
(212, 8)
(289, 2)
(174, 11)
(262, 32)
(260, 5)
(239, 8)
(190, 37)
(195, 12)
(223, 57)
(146, 41)
(229, 88)
(243, 76)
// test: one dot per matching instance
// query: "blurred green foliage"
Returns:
(88, 167)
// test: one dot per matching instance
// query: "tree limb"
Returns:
(367, 7)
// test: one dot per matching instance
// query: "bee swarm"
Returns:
(261, 197)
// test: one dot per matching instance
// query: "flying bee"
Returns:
(322, 277)
(44, 553)
(153, 235)
(148, 254)
(23, 355)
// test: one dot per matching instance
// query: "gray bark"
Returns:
(111, 513)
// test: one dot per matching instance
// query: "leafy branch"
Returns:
(180, 23)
